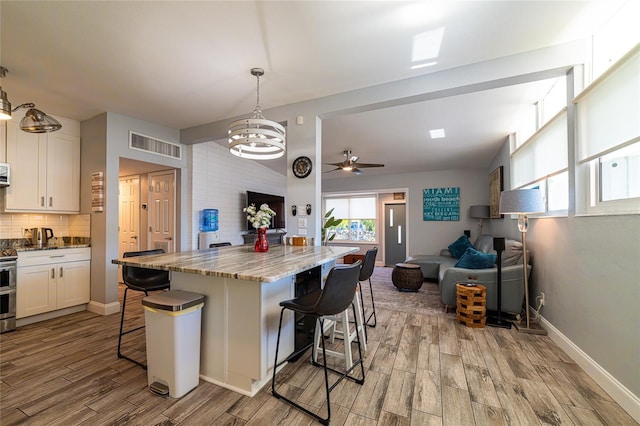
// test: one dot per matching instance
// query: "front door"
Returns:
(395, 229)
(162, 210)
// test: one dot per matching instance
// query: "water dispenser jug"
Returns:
(208, 220)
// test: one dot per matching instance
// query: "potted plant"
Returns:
(260, 219)
(330, 222)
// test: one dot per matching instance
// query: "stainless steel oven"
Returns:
(8, 272)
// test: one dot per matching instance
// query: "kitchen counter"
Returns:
(243, 290)
(23, 244)
(242, 262)
(66, 246)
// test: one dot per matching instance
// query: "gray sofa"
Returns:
(442, 267)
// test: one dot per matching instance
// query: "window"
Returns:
(542, 162)
(608, 136)
(358, 214)
(614, 182)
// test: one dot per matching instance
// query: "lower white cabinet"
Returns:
(48, 280)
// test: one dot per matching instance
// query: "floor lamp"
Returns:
(521, 202)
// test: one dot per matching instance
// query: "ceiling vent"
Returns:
(154, 146)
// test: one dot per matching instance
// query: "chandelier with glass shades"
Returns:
(257, 138)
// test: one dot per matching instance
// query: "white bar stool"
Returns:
(344, 332)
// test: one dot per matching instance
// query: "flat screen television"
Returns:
(275, 202)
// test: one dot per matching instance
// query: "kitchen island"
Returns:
(242, 292)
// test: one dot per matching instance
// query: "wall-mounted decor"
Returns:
(97, 192)
(441, 204)
(496, 186)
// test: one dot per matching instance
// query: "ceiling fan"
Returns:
(350, 164)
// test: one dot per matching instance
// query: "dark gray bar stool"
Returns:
(336, 297)
(365, 274)
(214, 245)
(140, 279)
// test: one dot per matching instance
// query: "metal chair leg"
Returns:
(373, 306)
(364, 321)
(367, 320)
(328, 389)
(120, 355)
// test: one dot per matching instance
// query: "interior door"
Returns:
(129, 215)
(162, 210)
(395, 229)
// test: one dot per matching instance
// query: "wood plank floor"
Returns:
(421, 369)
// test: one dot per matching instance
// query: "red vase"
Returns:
(262, 245)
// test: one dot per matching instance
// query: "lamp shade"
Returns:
(479, 212)
(36, 121)
(521, 201)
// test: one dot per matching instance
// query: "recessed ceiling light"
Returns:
(426, 45)
(436, 133)
(428, 64)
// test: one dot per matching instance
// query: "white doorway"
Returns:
(129, 215)
(162, 195)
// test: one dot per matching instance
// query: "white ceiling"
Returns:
(183, 64)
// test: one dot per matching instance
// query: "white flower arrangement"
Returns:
(259, 218)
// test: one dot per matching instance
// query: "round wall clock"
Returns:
(301, 167)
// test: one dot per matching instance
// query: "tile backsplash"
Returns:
(12, 225)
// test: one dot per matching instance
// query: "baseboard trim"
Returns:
(623, 396)
(103, 309)
(50, 315)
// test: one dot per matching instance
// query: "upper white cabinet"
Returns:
(45, 169)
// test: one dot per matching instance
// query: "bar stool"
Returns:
(336, 296)
(214, 245)
(365, 274)
(140, 279)
(329, 325)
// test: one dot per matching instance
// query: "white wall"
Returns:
(221, 181)
(104, 139)
(426, 237)
(589, 269)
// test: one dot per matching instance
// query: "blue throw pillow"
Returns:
(474, 259)
(458, 247)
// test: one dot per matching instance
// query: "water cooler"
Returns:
(209, 232)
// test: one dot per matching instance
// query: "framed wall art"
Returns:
(441, 204)
(496, 186)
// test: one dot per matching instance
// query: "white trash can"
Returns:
(173, 323)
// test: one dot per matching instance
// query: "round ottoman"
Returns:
(407, 277)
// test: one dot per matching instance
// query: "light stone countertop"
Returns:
(46, 247)
(242, 262)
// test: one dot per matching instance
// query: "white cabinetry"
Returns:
(45, 169)
(3, 142)
(48, 280)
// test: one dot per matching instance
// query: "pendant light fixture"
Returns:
(5, 105)
(257, 138)
(36, 121)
